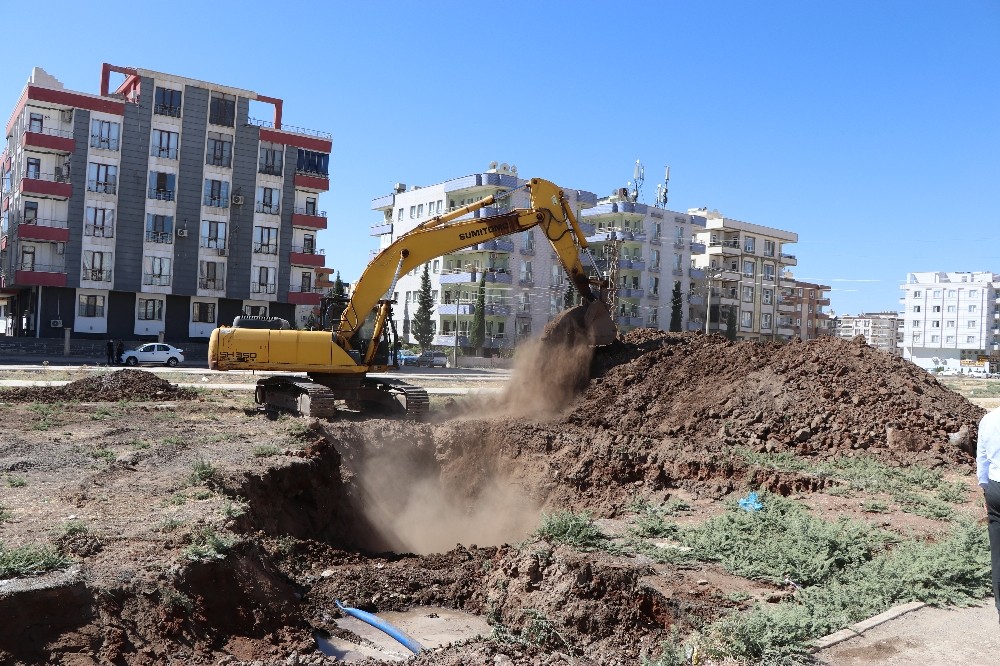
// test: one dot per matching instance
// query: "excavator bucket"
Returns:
(598, 323)
(590, 323)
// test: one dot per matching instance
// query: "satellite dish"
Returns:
(504, 167)
(493, 164)
(513, 169)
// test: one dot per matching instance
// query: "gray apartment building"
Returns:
(158, 209)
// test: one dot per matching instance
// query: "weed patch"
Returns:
(573, 529)
(16, 481)
(207, 544)
(29, 560)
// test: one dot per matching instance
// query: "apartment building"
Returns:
(951, 320)
(880, 329)
(746, 266)
(805, 313)
(158, 209)
(646, 251)
(525, 283)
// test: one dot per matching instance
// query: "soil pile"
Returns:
(137, 385)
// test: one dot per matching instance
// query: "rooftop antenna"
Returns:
(638, 176)
(661, 190)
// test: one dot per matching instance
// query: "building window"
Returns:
(951, 293)
(950, 323)
(769, 272)
(264, 281)
(33, 168)
(213, 234)
(951, 308)
(203, 313)
(35, 122)
(748, 244)
(949, 338)
(973, 293)
(210, 275)
(156, 271)
(216, 193)
(420, 211)
(399, 215)
(310, 205)
(309, 244)
(96, 266)
(936, 308)
(28, 258)
(222, 109)
(161, 185)
(90, 305)
(163, 144)
(916, 337)
(654, 285)
(765, 320)
(104, 134)
(916, 308)
(973, 307)
(102, 178)
(768, 296)
(270, 158)
(935, 324)
(268, 200)
(748, 294)
(746, 319)
(167, 102)
(748, 268)
(970, 338)
(150, 309)
(972, 323)
(265, 240)
(220, 150)
(311, 162)
(935, 338)
(159, 228)
(30, 215)
(768, 248)
(936, 293)
(916, 322)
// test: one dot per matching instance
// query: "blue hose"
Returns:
(382, 625)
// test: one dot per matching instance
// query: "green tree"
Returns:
(568, 297)
(731, 323)
(338, 286)
(478, 333)
(421, 326)
(675, 308)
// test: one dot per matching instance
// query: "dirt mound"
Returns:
(137, 385)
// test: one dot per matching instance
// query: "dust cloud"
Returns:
(547, 376)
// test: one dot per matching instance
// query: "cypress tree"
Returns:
(478, 333)
(675, 308)
(421, 324)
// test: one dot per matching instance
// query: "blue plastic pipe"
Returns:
(382, 625)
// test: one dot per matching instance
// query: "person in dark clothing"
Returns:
(111, 352)
(120, 349)
(988, 473)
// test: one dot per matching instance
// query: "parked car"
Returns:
(406, 358)
(154, 352)
(432, 359)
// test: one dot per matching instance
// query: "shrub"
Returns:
(572, 529)
(29, 560)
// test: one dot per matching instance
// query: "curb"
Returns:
(861, 627)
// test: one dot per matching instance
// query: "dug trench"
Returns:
(388, 515)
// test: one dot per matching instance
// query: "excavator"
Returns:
(337, 362)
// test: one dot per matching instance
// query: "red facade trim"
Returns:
(303, 298)
(18, 108)
(76, 100)
(297, 140)
(48, 141)
(40, 233)
(308, 221)
(317, 183)
(37, 278)
(46, 188)
(304, 259)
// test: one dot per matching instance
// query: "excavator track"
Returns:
(319, 396)
(297, 395)
(417, 401)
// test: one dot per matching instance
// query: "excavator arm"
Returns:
(549, 210)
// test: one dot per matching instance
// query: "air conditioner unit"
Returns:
(223, 252)
(237, 200)
(182, 233)
(56, 323)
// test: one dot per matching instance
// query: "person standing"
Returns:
(988, 471)
(111, 352)
(120, 349)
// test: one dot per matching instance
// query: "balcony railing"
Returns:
(156, 279)
(265, 248)
(103, 142)
(46, 222)
(165, 152)
(96, 275)
(306, 289)
(58, 177)
(307, 249)
(36, 267)
(103, 186)
(99, 231)
(528, 250)
(160, 237)
(268, 208)
(215, 284)
(217, 202)
(167, 110)
(63, 134)
(258, 288)
(269, 169)
(289, 128)
(219, 161)
(310, 210)
(161, 195)
(213, 242)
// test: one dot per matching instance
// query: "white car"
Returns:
(154, 352)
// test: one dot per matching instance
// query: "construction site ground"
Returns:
(172, 522)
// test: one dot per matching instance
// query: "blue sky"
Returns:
(872, 129)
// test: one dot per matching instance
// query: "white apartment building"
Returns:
(880, 329)
(525, 283)
(746, 265)
(951, 320)
(646, 250)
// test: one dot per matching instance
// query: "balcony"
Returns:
(632, 264)
(630, 292)
(472, 277)
(309, 217)
(212, 284)
(696, 273)
(381, 229)
(448, 340)
(304, 294)
(49, 141)
(103, 142)
(96, 274)
(165, 152)
(55, 185)
(525, 280)
(167, 110)
(268, 208)
(269, 169)
(160, 195)
(102, 186)
(156, 279)
(258, 288)
(696, 299)
(307, 256)
(265, 248)
(165, 237)
(216, 202)
(41, 275)
(528, 251)
(40, 229)
(99, 230)
(788, 259)
(219, 161)
(453, 309)
(725, 247)
(308, 180)
(697, 247)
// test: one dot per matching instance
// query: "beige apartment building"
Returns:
(880, 329)
(746, 266)
(804, 304)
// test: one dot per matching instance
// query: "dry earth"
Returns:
(198, 530)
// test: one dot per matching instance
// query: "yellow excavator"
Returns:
(337, 362)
